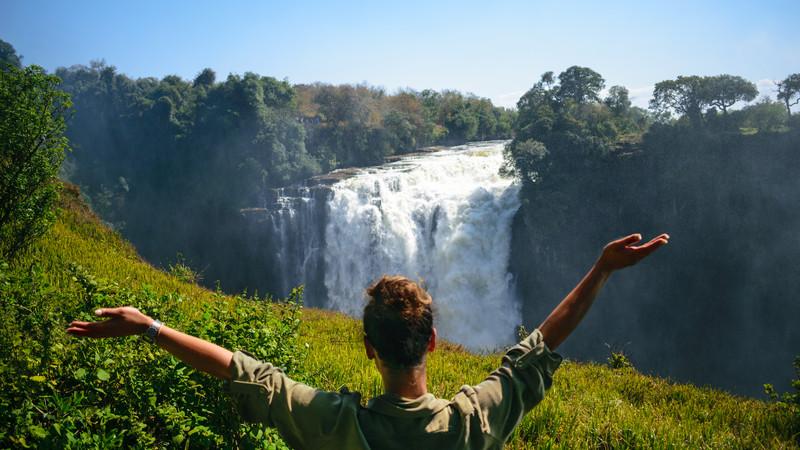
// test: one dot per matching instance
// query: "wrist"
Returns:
(144, 323)
(602, 269)
(153, 330)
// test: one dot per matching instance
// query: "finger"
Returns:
(653, 241)
(83, 332)
(90, 325)
(661, 236)
(644, 250)
(90, 329)
(628, 240)
(108, 312)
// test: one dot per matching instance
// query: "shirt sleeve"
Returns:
(303, 416)
(503, 399)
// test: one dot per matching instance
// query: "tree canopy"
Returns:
(580, 84)
(8, 55)
(723, 91)
(690, 96)
(567, 124)
(683, 95)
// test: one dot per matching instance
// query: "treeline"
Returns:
(715, 305)
(170, 162)
(232, 140)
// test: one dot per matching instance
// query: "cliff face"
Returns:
(282, 242)
(718, 304)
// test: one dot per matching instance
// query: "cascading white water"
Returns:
(444, 218)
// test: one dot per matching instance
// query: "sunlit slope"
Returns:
(588, 406)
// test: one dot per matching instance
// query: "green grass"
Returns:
(589, 406)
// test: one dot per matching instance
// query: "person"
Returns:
(398, 334)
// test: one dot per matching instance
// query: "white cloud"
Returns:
(640, 96)
(767, 87)
(509, 99)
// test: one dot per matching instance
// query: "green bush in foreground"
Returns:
(32, 146)
(63, 392)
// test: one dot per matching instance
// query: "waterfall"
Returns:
(443, 218)
(297, 221)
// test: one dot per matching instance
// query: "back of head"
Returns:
(398, 321)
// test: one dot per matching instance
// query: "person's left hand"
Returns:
(623, 253)
(124, 321)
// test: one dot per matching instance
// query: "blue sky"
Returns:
(493, 49)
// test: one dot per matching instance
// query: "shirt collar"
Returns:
(395, 406)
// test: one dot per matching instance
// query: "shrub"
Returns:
(618, 359)
(61, 392)
(789, 401)
(32, 113)
(184, 272)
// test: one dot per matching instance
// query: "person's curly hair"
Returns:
(398, 321)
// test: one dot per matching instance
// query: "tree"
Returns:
(8, 55)
(618, 100)
(205, 78)
(765, 116)
(581, 84)
(723, 91)
(683, 95)
(536, 110)
(789, 92)
(525, 160)
(32, 111)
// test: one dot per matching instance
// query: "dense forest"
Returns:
(171, 162)
(718, 305)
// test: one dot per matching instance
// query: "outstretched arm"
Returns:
(616, 255)
(127, 321)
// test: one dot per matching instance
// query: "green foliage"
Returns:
(183, 271)
(525, 160)
(683, 95)
(565, 128)
(589, 405)
(580, 84)
(789, 91)
(764, 116)
(617, 358)
(618, 100)
(8, 56)
(689, 96)
(32, 112)
(64, 392)
(789, 401)
(723, 91)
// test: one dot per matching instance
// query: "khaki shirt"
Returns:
(478, 417)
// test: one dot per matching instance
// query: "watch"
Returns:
(152, 331)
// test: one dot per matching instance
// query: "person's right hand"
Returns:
(124, 321)
(623, 253)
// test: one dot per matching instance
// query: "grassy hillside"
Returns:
(66, 392)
